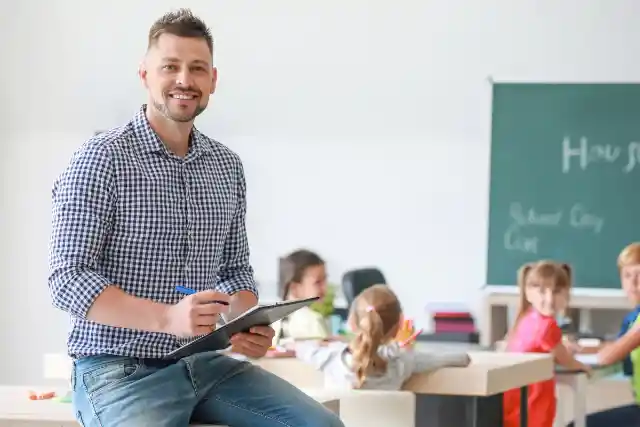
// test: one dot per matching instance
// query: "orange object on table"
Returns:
(42, 396)
(407, 333)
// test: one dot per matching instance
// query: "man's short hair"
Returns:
(181, 23)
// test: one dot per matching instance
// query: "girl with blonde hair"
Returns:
(544, 290)
(372, 359)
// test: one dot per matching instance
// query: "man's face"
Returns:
(179, 76)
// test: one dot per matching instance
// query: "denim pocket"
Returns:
(108, 375)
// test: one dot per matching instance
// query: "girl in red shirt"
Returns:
(544, 290)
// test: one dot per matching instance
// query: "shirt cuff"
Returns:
(239, 282)
(87, 286)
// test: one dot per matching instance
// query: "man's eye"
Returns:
(169, 67)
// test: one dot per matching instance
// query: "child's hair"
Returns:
(630, 255)
(375, 314)
(293, 267)
(559, 275)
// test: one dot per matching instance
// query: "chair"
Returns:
(357, 280)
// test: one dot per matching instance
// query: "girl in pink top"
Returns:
(544, 291)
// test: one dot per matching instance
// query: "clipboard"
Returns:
(260, 315)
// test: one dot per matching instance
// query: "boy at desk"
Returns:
(627, 347)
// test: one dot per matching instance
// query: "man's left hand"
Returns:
(253, 344)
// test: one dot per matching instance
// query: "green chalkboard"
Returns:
(565, 178)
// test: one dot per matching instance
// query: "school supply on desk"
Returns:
(407, 334)
(41, 396)
(445, 322)
(452, 322)
(449, 317)
(63, 399)
(260, 315)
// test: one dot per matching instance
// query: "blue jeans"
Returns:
(207, 388)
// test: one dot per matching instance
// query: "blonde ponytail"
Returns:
(364, 348)
(567, 268)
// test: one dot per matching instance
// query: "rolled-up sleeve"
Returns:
(82, 206)
(236, 273)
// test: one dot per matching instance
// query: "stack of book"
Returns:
(453, 322)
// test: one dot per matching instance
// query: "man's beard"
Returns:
(181, 118)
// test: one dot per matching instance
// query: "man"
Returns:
(139, 210)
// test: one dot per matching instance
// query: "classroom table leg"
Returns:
(558, 421)
(581, 383)
(524, 406)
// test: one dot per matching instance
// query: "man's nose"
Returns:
(184, 78)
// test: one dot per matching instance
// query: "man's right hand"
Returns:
(196, 314)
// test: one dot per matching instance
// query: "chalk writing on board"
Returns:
(580, 217)
(516, 240)
(581, 155)
(634, 156)
(521, 236)
(531, 217)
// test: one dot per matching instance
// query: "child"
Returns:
(627, 347)
(305, 276)
(371, 360)
(544, 287)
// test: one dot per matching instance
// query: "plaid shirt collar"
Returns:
(148, 140)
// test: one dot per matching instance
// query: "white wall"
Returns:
(363, 125)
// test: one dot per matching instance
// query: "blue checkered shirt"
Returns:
(128, 212)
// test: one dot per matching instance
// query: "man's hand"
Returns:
(253, 344)
(196, 314)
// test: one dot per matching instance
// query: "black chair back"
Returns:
(357, 280)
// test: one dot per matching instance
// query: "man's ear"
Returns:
(142, 73)
(214, 81)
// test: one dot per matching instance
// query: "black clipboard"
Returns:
(260, 315)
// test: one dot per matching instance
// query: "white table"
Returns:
(488, 375)
(16, 410)
(578, 383)
(498, 300)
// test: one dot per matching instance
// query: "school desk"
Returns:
(470, 396)
(498, 300)
(578, 382)
(17, 410)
